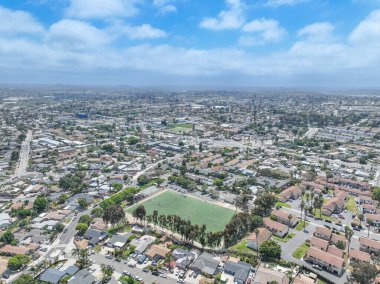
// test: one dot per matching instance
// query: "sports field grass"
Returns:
(198, 212)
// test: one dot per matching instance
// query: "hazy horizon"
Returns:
(230, 43)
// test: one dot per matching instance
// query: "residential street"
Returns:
(22, 163)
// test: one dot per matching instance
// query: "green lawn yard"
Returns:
(284, 239)
(198, 212)
(301, 251)
(299, 226)
(242, 247)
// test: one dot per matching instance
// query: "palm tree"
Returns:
(361, 218)
(290, 216)
(302, 207)
(369, 221)
(82, 255)
(348, 234)
(257, 232)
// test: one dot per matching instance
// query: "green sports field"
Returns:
(198, 212)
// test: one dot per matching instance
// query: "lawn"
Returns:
(284, 239)
(301, 251)
(299, 226)
(127, 279)
(242, 247)
(198, 212)
(282, 204)
(180, 127)
(351, 205)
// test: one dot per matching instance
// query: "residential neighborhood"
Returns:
(179, 187)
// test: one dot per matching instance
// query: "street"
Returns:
(22, 163)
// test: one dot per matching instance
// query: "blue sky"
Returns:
(270, 43)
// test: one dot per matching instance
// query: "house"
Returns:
(323, 233)
(98, 224)
(369, 208)
(142, 243)
(239, 270)
(53, 276)
(283, 217)
(94, 236)
(83, 277)
(335, 204)
(118, 241)
(157, 252)
(264, 235)
(375, 218)
(183, 258)
(324, 259)
(291, 193)
(205, 263)
(335, 239)
(5, 220)
(319, 243)
(266, 275)
(370, 246)
(365, 200)
(14, 250)
(359, 256)
(335, 251)
(276, 228)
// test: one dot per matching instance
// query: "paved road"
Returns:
(311, 132)
(66, 237)
(300, 237)
(120, 267)
(24, 156)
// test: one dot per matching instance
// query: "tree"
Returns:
(257, 232)
(40, 204)
(264, 203)
(348, 233)
(369, 222)
(290, 216)
(256, 222)
(81, 228)
(82, 257)
(113, 214)
(117, 186)
(17, 261)
(82, 202)
(376, 193)
(142, 180)
(15, 155)
(361, 218)
(139, 213)
(58, 228)
(364, 272)
(7, 237)
(62, 198)
(86, 219)
(270, 250)
(24, 279)
(218, 183)
(97, 212)
(106, 271)
(341, 245)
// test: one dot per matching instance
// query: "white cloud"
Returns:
(321, 31)
(144, 31)
(278, 3)
(263, 30)
(18, 22)
(368, 30)
(73, 34)
(231, 18)
(73, 48)
(165, 6)
(100, 9)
